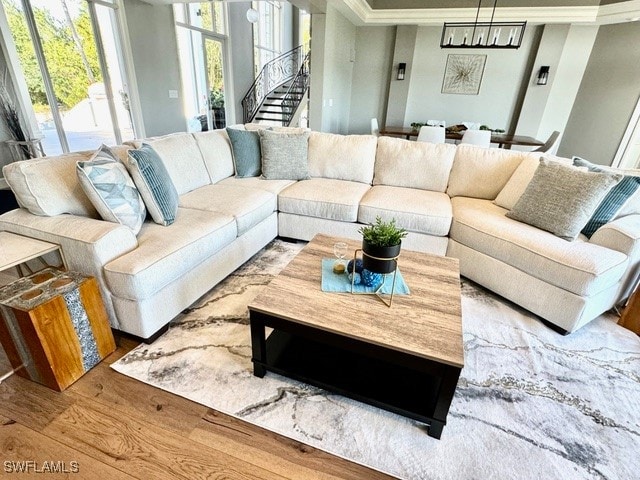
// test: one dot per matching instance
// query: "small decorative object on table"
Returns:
(340, 251)
(381, 243)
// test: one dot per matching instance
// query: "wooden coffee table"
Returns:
(406, 358)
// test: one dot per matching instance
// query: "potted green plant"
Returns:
(381, 242)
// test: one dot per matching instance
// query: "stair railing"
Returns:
(296, 91)
(274, 74)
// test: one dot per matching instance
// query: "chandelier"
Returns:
(482, 34)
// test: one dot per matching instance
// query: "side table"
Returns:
(16, 250)
(54, 325)
(630, 317)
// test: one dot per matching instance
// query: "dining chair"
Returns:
(431, 134)
(375, 128)
(481, 138)
(551, 145)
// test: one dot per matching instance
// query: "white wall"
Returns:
(371, 75)
(155, 59)
(608, 94)
(241, 58)
(496, 103)
(334, 36)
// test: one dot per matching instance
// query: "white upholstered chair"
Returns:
(431, 134)
(375, 128)
(481, 138)
(551, 145)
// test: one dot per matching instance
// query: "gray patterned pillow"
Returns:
(111, 190)
(561, 199)
(284, 155)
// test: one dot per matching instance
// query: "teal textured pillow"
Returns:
(284, 155)
(111, 190)
(561, 199)
(612, 202)
(245, 146)
(154, 184)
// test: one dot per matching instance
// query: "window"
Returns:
(267, 33)
(70, 53)
(200, 30)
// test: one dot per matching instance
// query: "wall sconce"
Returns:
(401, 69)
(543, 75)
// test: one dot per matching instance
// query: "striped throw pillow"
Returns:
(154, 184)
(612, 202)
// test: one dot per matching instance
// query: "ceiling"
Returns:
(435, 12)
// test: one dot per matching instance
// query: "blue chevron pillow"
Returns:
(612, 202)
(111, 190)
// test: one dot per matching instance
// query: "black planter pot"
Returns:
(379, 266)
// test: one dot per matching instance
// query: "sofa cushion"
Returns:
(401, 163)
(415, 210)
(245, 146)
(183, 160)
(248, 207)
(165, 254)
(579, 267)
(561, 199)
(154, 184)
(481, 172)
(273, 186)
(49, 186)
(323, 198)
(215, 148)
(342, 157)
(613, 202)
(110, 188)
(284, 155)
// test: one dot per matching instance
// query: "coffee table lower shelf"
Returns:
(410, 386)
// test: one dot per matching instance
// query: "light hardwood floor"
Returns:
(115, 427)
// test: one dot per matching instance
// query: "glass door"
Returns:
(71, 58)
(214, 75)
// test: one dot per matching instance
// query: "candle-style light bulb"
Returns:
(496, 36)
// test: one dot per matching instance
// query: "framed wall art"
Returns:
(463, 74)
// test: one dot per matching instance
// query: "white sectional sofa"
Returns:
(443, 194)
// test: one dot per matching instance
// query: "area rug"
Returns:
(530, 403)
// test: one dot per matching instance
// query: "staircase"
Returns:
(278, 90)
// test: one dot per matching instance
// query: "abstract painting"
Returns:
(463, 74)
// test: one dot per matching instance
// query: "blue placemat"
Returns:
(339, 282)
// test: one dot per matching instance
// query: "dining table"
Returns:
(504, 140)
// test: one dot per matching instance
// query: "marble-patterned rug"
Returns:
(530, 403)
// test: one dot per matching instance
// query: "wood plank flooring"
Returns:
(115, 427)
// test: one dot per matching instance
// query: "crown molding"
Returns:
(619, 12)
(361, 13)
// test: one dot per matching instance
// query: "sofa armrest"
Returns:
(87, 243)
(623, 235)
